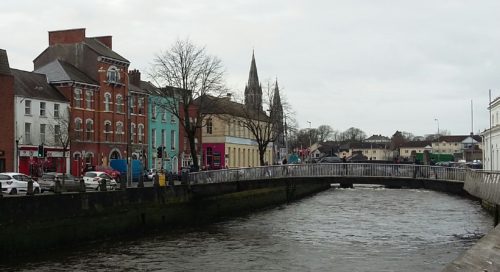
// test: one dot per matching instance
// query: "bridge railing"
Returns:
(330, 170)
(483, 184)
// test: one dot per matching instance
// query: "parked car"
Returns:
(13, 183)
(47, 182)
(115, 174)
(330, 159)
(93, 179)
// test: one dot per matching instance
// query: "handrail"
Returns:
(330, 170)
(482, 184)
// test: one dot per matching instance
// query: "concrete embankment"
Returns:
(31, 224)
(483, 256)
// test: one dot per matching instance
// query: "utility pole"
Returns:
(129, 138)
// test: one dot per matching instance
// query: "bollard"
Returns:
(102, 185)
(1, 193)
(123, 183)
(82, 186)
(30, 187)
(140, 183)
(57, 186)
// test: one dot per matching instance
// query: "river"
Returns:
(361, 229)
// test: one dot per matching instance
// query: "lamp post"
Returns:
(309, 141)
(437, 120)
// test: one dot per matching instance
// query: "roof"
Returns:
(35, 85)
(364, 145)
(103, 50)
(137, 89)
(416, 144)
(224, 105)
(4, 63)
(59, 70)
(378, 138)
(458, 138)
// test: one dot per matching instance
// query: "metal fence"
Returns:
(483, 184)
(330, 170)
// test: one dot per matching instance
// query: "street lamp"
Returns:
(437, 120)
(309, 141)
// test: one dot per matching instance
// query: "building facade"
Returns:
(95, 80)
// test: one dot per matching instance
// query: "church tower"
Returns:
(253, 90)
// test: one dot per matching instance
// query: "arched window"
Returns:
(119, 132)
(113, 75)
(89, 98)
(89, 130)
(107, 131)
(78, 129)
(119, 103)
(132, 134)
(140, 132)
(132, 104)
(209, 126)
(78, 98)
(107, 102)
(140, 105)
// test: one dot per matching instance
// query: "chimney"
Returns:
(66, 36)
(228, 96)
(134, 77)
(106, 40)
(4, 63)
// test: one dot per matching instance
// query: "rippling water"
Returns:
(362, 229)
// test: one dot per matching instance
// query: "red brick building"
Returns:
(95, 80)
(7, 141)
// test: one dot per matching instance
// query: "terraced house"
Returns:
(95, 80)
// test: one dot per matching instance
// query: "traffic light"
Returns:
(41, 152)
(159, 152)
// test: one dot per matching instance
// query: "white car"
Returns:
(13, 183)
(93, 180)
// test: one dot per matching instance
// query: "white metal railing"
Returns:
(483, 184)
(330, 170)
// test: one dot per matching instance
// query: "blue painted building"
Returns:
(163, 140)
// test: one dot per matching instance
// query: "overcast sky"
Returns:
(380, 66)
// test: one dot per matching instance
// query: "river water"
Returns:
(361, 229)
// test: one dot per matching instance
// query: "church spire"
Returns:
(253, 90)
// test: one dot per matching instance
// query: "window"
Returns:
(119, 132)
(153, 137)
(107, 102)
(172, 139)
(89, 130)
(172, 119)
(113, 75)
(163, 137)
(78, 98)
(42, 133)
(27, 133)
(132, 104)
(164, 116)
(57, 134)
(89, 95)
(140, 105)
(56, 110)
(153, 111)
(107, 131)
(209, 126)
(27, 107)
(119, 103)
(42, 109)
(132, 134)
(78, 129)
(140, 132)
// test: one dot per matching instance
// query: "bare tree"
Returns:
(324, 133)
(62, 134)
(261, 125)
(354, 135)
(187, 73)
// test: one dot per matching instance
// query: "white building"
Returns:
(491, 139)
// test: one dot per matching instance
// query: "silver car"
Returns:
(14, 183)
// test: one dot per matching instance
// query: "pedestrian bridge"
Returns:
(481, 184)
